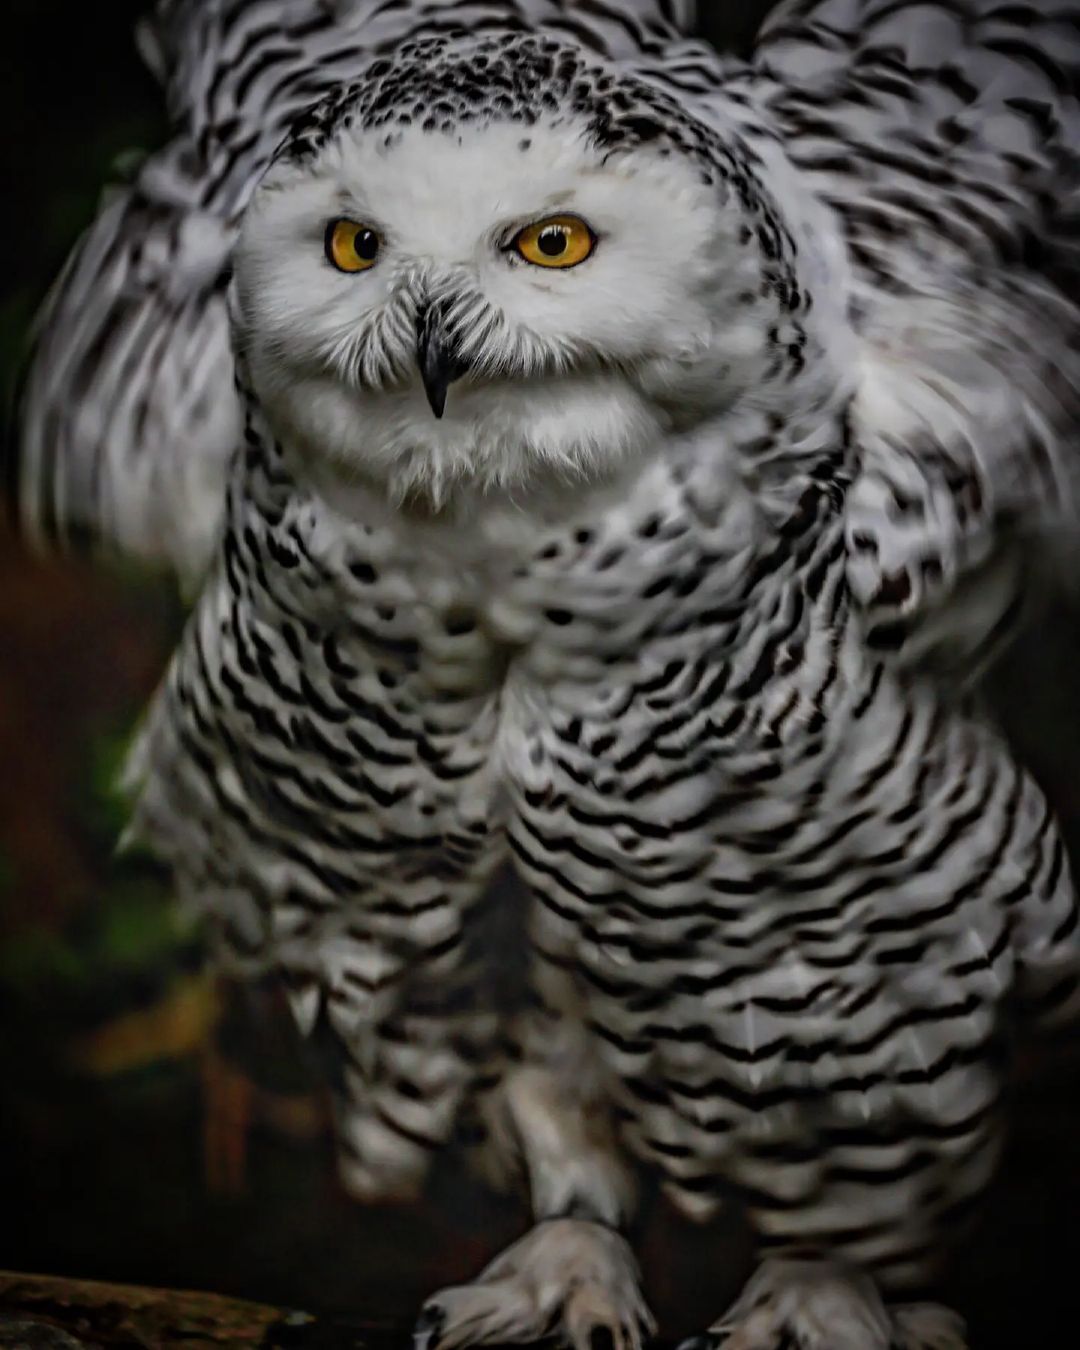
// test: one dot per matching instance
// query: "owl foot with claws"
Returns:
(567, 1277)
(810, 1305)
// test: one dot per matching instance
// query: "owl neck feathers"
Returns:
(791, 475)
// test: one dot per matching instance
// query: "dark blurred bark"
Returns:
(41, 1312)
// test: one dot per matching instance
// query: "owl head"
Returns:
(497, 259)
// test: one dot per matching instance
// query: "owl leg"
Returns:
(879, 1216)
(573, 1275)
(822, 1305)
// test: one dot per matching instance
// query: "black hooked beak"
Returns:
(440, 361)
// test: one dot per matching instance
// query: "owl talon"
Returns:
(429, 1325)
(820, 1306)
(568, 1277)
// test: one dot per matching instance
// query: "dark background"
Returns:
(156, 1126)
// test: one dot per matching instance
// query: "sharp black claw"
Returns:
(428, 1327)
(705, 1341)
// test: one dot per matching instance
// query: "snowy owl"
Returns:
(602, 469)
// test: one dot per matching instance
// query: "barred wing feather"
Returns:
(943, 136)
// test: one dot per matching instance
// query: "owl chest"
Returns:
(435, 702)
(445, 682)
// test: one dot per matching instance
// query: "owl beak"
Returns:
(439, 360)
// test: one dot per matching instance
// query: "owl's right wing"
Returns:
(129, 415)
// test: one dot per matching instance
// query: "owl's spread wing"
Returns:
(129, 415)
(944, 137)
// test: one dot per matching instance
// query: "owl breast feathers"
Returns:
(604, 471)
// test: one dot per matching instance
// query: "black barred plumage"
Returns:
(579, 713)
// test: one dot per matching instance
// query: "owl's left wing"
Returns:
(966, 509)
(943, 136)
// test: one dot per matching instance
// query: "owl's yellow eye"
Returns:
(351, 247)
(562, 241)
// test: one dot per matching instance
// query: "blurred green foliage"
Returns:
(105, 802)
(130, 940)
(127, 937)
